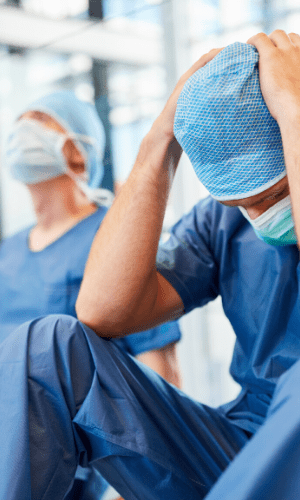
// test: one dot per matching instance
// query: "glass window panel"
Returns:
(239, 35)
(203, 18)
(56, 8)
(284, 5)
(221, 40)
(139, 10)
(137, 95)
(233, 13)
(292, 23)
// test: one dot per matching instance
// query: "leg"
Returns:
(268, 467)
(69, 398)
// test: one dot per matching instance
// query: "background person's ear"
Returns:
(73, 157)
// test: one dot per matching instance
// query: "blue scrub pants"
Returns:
(88, 485)
(68, 397)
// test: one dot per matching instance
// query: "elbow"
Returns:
(93, 325)
(101, 322)
(99, 327)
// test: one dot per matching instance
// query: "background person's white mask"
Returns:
(34, 153)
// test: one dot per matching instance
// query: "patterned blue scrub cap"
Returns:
(226, 129)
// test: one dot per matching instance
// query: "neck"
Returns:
(58, 204)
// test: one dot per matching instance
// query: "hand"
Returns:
(279, 72)
(168, 114)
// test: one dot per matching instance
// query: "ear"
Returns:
(73, 157)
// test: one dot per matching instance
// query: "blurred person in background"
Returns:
(55, 149)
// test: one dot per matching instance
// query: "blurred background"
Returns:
(126, 56)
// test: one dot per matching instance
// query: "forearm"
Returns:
(120, 276)
(121, 291)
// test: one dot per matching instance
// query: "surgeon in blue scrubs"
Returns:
(55, 149)
(80, 399)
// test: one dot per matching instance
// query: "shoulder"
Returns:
(95, 219)
(75, 245)
(101, 212)
(209, 221)
(212, 212)
(13, 251)
(88, 227)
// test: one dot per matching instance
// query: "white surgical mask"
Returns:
(276, 225)
(34, 153)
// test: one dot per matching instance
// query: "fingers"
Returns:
(205, 59)
(262, 42)
(277, 38)
(295, 39)
(201, 62)
(209, 56)
(280, 39)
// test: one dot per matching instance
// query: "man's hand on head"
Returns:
(279, 73)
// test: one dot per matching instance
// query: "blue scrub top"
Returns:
(214, 251)
(35, 284)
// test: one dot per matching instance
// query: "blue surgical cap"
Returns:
(226, 129)
(81, 118)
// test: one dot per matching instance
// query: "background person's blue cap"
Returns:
(225, 127)
(81, 118)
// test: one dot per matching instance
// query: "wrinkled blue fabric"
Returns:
(214, 251)
(79, 399)
(81, 118)
(226, 129)
(269, 466)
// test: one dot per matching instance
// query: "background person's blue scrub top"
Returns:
(213, 250)
(35, 284)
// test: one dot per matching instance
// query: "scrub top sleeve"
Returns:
(149, 340)
(186, 260)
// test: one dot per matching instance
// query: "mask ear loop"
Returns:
(78, 139)
(83, 177)
(100, 196)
